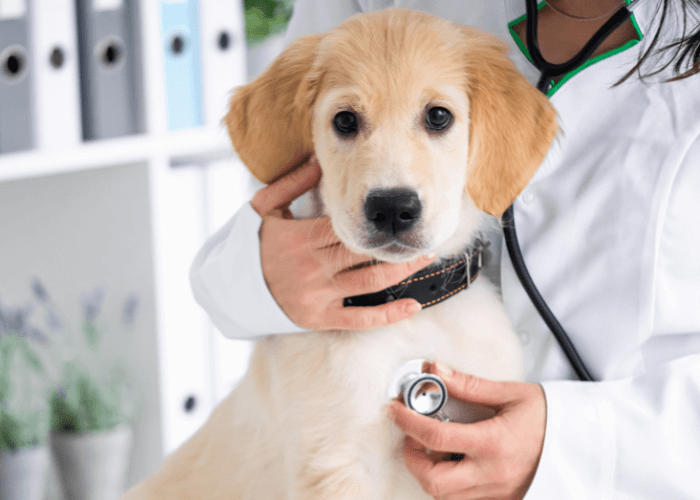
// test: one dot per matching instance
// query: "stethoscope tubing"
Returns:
(547, 71)
(516, 256)
(550, 70)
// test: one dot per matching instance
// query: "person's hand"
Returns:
(501, 454)
(306, 266)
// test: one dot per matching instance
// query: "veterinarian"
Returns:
(607, 229)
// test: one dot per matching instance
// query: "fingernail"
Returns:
(431, 256)
(413, 307)
(390, 411)
(443, 370)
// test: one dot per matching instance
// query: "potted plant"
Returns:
(265, 24)
(92, 405)
(24, 416)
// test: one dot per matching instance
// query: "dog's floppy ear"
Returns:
(269, 120)
(511, 125)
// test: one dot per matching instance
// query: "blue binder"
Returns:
(182, 63)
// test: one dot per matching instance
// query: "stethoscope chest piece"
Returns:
(424, 393)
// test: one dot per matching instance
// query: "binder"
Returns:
(16, 107)
(56, 84)
(182, 63)
(223, 55)
(187, 392)
(107, 82)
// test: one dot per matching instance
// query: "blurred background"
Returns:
(114, 169)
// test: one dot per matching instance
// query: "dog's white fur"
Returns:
(308, 419)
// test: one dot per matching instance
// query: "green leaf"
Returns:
(266, 17)
(91, 333)
(7, 348)
(65, 417)
(32, 359)
(100, 412)
(86, 405)
(22, 432)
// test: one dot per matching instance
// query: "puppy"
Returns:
(404, 110)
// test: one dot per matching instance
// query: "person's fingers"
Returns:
(364, 318)
(287, 188)
(319, 232)
(300, 236)
(378, 277)
(435, 435)
(310, 234)
(471, 389)
(437, 476)
(338, 257)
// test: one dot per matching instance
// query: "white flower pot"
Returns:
(23, 473)
(93, 465)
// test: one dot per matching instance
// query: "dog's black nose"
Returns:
(393, 211)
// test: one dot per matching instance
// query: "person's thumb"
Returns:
(471, 389)
(288, 188)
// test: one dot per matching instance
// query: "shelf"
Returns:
(197, 145)
(184, 146)
(131, 212)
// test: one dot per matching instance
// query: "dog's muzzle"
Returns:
(392, 212)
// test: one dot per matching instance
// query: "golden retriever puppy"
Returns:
(407, 111)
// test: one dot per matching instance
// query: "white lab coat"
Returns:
(607, 227)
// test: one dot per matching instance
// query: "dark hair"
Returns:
(683, 53)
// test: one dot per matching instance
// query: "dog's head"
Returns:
(419, 124)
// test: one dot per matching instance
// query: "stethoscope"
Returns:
(426, 393)
(423, 393)
(547, 72)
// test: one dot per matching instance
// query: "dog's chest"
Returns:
(469, 332)
(329, 389)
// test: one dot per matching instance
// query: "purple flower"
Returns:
(54, 321)
(131, 306)
(60, 393)
(15, 321)
(92, 302)
(3, 322)
(40, 291)
(35, 334)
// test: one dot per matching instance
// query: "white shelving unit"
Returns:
(130, 213)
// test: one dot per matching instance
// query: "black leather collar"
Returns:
(432, 284)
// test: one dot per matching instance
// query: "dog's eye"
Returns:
(346, 123)
(437, 118)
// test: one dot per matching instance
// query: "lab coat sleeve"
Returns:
(228, 282)
(639, 438)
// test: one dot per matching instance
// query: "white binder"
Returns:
(223, 55)
(56, 84)
(185, 373)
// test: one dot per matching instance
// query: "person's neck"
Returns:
(584, 9)
(561, 37)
